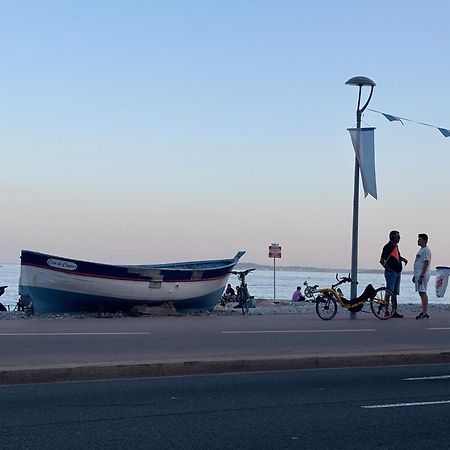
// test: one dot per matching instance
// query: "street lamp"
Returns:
(360, 82)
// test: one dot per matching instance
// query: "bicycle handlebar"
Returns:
(343, 280)
(242, 272)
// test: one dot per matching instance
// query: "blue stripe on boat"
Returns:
(52, 301)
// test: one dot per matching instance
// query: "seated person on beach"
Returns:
(229, 295)
(297, 296)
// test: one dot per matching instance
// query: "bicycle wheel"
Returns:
(244, 305)
(244, 299)
(326, 306)
(380, 305)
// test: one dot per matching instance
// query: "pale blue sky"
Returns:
(154, 131)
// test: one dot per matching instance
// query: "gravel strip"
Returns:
(262, 307)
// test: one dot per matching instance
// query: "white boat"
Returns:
(54, 284)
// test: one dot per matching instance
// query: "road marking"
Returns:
(296, 331)
(437, 377)
(398, 405)
(72, 334)
(436, 329)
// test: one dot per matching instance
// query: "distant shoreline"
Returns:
(243, 266)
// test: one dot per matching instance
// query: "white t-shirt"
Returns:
(424, 254)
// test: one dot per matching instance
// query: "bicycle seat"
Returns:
(369, 292)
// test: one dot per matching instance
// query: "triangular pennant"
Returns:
(392, 118)
(444, 131)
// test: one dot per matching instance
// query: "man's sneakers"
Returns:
(422, 316)
(400, 316)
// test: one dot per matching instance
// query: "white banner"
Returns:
(363, 143)
(442, 273)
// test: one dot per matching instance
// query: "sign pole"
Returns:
(274, 297)
(274, 252)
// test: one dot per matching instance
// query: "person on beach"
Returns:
(297, 296)
(392, 261)
(230, 295)
(422, 271)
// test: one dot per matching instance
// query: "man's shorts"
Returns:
(393, 281)
(422, 287)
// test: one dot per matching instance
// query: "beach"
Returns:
(262, 307)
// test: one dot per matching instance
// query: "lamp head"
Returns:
(360, 81)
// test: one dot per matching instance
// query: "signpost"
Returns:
(274, 252)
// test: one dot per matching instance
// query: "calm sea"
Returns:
(261, 283)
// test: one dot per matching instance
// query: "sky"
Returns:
(158, 131)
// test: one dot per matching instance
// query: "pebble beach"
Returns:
(262, 307)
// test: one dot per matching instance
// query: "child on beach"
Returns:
(297, 296)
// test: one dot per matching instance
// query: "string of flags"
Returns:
(392, 118)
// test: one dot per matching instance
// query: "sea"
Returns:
(261, 284)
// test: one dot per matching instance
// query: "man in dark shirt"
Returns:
(391, 260)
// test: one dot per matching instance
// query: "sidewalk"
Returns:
(43, 350)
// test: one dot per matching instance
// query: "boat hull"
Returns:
(57, 285)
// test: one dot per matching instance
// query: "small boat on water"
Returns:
(54, 284)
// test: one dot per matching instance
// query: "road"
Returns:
(76, 349)
(391, 407)
(42, 342)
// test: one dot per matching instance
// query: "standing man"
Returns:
(422, 271)
(391, 260)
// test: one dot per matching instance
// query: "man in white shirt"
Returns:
(422, 270)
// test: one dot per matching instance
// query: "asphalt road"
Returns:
(25, 343)
(38, 350)
(392, 407)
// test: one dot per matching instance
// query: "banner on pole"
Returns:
(363, 143)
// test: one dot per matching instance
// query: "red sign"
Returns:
(274, 251)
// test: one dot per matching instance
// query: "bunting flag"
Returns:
(363, 143)
(391, 118)
(444, 131)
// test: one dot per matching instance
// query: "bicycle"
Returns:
(311, 292)
(328, 299)
(243, 294)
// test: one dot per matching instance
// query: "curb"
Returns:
(107, 371)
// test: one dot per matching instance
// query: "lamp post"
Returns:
(360, 82)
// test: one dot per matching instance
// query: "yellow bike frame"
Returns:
(339, 299)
